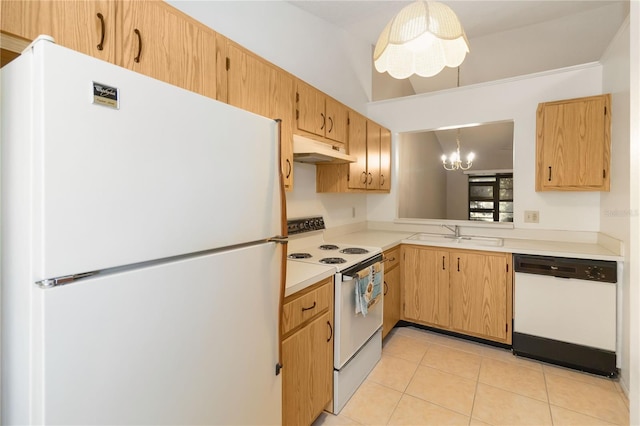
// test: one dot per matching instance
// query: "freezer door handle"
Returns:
(58, 281)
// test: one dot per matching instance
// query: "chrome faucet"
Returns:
(455, 230)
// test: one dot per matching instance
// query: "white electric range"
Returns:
(358, 336)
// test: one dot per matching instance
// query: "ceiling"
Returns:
(507, 38)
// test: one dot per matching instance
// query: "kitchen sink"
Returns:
(463, 239)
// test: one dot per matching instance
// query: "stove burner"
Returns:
(328, 247)
(299, 256)
(332, 260)
(354, 250)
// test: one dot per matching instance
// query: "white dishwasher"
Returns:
(565, 312)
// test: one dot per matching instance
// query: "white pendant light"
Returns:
(421, 39)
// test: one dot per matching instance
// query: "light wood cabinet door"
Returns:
(385, 159)
(573, 144)
(249, 81)
(282, 101)
(479, 296)
(373, 155)
(86, 26)
(358, 148)
(392, 300)
(336, 127)
(425, 281)
(307, 372)
(310, 115)
(159, 41)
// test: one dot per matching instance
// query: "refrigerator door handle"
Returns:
(278, 239)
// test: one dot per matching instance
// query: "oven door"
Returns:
(353, 330)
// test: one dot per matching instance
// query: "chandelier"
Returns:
(455, 161)
(421, 39)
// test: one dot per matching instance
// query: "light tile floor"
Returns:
(426, 378)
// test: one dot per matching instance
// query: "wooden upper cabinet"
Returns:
(337, 121)
(358, 148)
(161, 42)
(310, 115)
(150, 37)
(573, 144)
(86, 26)
(258, 86)
(385, 159)
(282, 102)
(320, 115)
(249, 79)
(373, 155)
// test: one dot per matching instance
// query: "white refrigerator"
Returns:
(141, 283)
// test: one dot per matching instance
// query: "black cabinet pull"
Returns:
(443, 263)
(381, 179)
(458, 264)
(288, 168)
(312, 306)
(323, 121)
(364, 175)
(330, 124)
(101, 18)
(386, 288)
(137, 58)
(549, 173)
(370, 178)
(330, 332)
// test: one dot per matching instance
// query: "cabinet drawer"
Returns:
(391, 258)
(305, 307)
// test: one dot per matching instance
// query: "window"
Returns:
(491, 197)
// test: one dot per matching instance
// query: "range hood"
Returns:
(307, 150)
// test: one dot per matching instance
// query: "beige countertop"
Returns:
(301, 275)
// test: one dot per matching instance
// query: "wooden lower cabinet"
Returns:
(466, 291)
(392, 292)
(307, 354)
(425, 280)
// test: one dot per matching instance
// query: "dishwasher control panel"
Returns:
(565, 267)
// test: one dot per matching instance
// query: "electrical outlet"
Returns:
(531, 216)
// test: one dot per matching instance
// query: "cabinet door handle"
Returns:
(330, 124)
(549, 173)
(323, 121)
(386, 288)
(458, 264)
(137, 58)
(101, 18)
(364, 177)
(443, 263)
(381, 179)
(370, 178)
(309, 308)
(388, 259)
(288, 168)
(330, 331)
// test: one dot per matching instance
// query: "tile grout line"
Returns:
(546, 389)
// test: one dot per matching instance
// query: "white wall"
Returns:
(615, 205)
(512, 99)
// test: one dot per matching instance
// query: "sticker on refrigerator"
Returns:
(106, 95)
